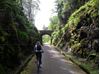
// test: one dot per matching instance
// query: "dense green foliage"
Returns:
(46, 39)
(80, 31)
(53, 23)
(17, 36)
(66, 7)
(75, 27)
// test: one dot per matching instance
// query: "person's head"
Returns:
(38, 43)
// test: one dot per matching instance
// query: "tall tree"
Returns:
(30, 8)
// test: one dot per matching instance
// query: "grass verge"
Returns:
(30, 67)
(85, 65)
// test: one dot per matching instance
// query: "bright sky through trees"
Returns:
(42, 17)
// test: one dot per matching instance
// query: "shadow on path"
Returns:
(54, 63)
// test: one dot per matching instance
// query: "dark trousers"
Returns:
(39, 57)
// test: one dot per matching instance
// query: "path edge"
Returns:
(72, 60)
(21, 67)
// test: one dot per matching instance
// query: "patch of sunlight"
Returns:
(54, 52)
(66, 61)
(64, 68)
(46, 43)
(73, 72)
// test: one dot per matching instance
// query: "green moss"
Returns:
(2, 39)
(30, 68)
(90, 68)
(89, 8)
(85, 65)
(66, 6)
(76, 46)
(17, 36)
(23, 35)
(2, 71)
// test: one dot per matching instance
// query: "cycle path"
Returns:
(54, 63)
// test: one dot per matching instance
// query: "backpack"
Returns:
(38, 47)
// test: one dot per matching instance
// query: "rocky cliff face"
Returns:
(81, 33)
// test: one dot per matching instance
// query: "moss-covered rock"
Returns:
(81, 30)
(17, 36)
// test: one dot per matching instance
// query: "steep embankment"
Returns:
(81, 33)
(17, 36)
(81, 36)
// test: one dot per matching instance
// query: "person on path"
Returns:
(38, 52)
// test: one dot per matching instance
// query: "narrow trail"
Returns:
(54, 63)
